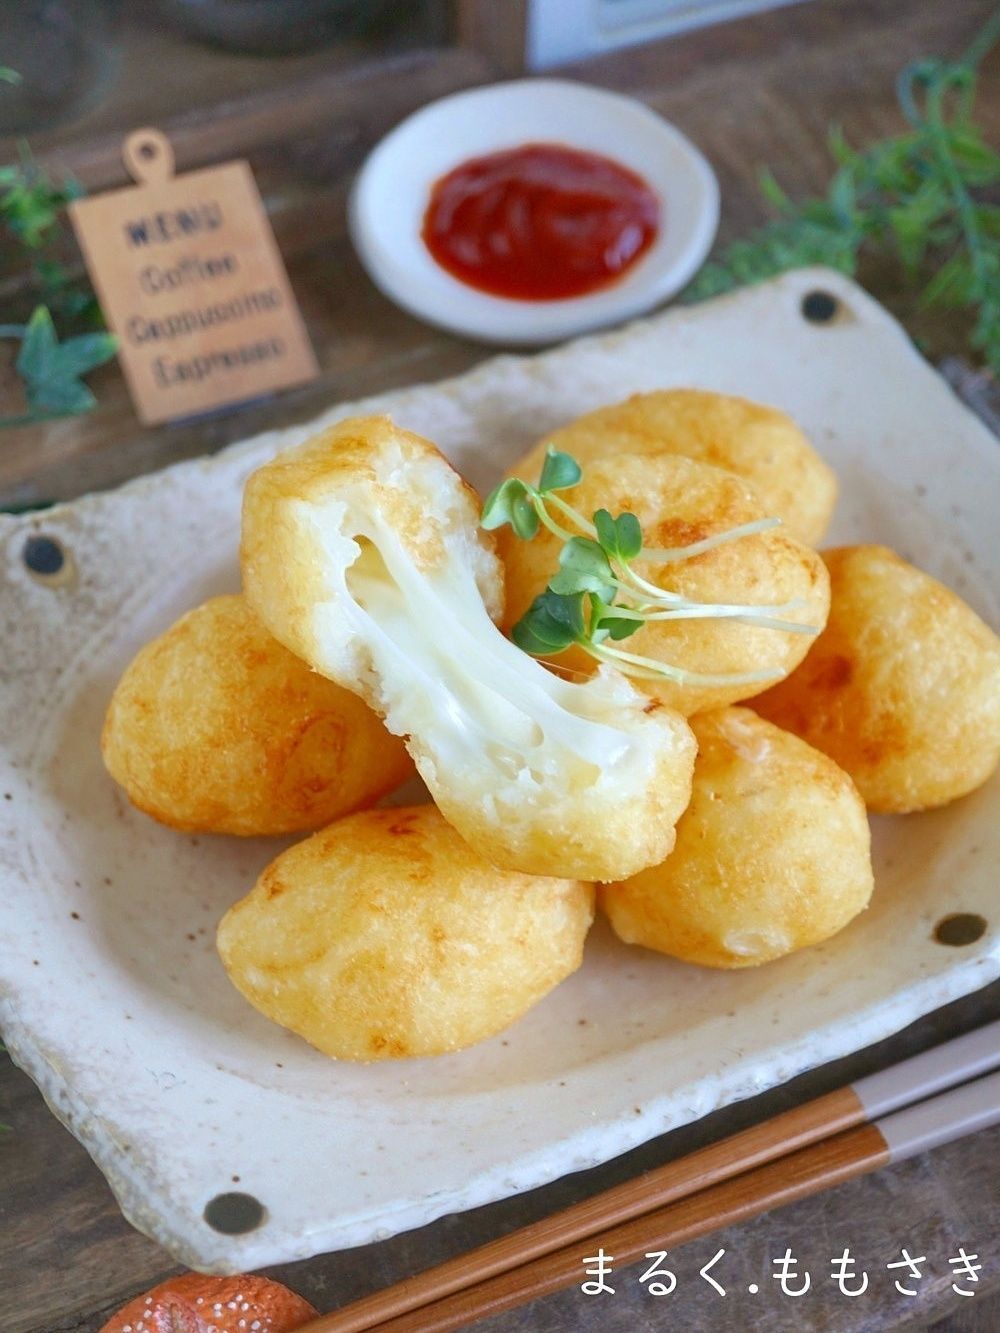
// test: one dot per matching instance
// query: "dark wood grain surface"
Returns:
(760, 91)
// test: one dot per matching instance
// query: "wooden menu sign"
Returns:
(189, 277)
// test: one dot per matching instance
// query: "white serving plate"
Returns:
(111, 995)
(393, 188)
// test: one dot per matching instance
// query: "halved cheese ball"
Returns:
(772, 855)
(362, 552)
(387, 935)
(679, 502)
(902, 688)
(760, 444)
(216, 727)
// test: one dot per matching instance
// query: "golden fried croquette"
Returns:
(902, 689)
(362, 552)
(760, 444)
(678, 502)
(772, 854)
(216, 727)
(386, 935)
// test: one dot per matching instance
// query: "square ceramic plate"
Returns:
(111, 995)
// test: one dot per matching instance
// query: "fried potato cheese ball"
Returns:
(902, 688)
(760, 444)
(216, 727)
(679, 502)
(386, 935)
(772, 854)
(362, 552)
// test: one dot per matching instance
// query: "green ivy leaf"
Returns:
(36, 359)
(52, 371)
(84, 353)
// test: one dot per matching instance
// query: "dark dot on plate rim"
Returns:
(234, 1213)
(43, 555)
(960, 929)
(819, 307)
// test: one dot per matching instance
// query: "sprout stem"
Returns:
(650, 669)
(584, 524)
(750, 615)
(547, 520)
(589, 575)
(668, 556)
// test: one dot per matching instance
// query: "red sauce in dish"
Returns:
(540, 222)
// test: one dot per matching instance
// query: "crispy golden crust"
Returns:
(547, 834)
(525, 766)
(386, 935)
(902, 689)
(758, 443)
(678, 502)
(216, 727)
(287, 568)
(772, 854)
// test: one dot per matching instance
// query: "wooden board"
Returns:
(762, 91)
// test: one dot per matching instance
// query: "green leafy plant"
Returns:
(32, 212)
(596, 598)
(921, 196)
(52, 371)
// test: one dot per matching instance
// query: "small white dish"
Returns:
(391, 194)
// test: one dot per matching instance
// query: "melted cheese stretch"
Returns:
(446, 671)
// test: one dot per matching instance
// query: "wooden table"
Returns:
(760, 91)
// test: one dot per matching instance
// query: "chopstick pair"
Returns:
(930, 1099)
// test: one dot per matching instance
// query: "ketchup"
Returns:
(540, 222)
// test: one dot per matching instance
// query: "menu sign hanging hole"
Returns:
(189, 278)
(148, 156)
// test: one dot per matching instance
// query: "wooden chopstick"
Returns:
(793, 1154)
(819, 1167)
